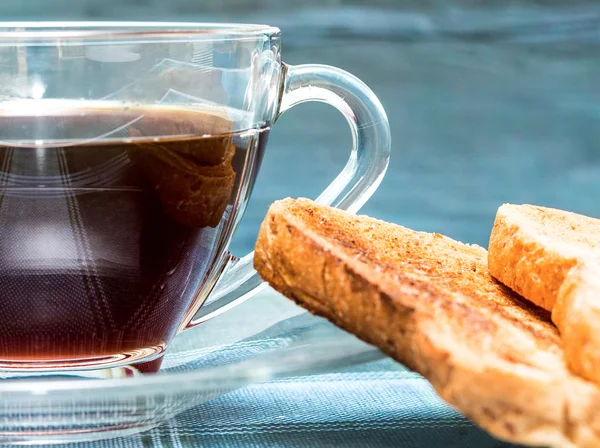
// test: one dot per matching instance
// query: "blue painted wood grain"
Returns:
(489, 102)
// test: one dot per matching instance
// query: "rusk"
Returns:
(429, 302)
(551, 257)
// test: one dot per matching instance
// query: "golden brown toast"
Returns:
(551, 257)
(429, 302)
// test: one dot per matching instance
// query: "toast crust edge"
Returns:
(521, 262)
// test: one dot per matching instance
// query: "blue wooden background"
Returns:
(489, 102)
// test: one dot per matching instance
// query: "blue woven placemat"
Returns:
(379, 404)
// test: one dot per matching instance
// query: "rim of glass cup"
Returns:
(68, 30)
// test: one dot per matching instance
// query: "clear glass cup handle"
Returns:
(371, 141)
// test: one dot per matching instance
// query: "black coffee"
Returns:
(110, 223)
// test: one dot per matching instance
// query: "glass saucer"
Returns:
(262, 339)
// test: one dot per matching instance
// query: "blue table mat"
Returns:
(379, 404)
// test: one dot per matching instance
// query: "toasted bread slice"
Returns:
(551, 257)
(429, 302)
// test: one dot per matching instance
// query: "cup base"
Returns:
(139, 362)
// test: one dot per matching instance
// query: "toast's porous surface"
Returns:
(552, 258)
(429, 302)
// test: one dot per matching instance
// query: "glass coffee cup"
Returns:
(128, 152)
